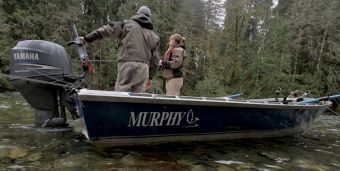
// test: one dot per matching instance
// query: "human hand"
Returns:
(82, 39)
(160, 63)
(148, 85)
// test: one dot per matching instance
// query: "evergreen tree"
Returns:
(257, 49)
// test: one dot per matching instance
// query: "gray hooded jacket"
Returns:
(137, 41)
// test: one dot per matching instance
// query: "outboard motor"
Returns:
(50, 64)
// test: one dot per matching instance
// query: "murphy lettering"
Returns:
(151, 119)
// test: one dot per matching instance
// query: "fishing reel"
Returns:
(294, 96)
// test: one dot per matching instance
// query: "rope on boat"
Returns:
(34, 80)
(14, 77)
(334, 112)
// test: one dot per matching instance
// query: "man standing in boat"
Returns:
(138, 51)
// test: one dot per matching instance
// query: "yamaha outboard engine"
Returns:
(46, 72)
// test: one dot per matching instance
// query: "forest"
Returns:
(251, 47)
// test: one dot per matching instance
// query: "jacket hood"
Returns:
(143, 20)
(182, 45)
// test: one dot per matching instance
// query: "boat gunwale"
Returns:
(112, 96)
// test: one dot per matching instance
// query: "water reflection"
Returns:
(25, 148)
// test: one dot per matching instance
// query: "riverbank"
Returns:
(5, 85)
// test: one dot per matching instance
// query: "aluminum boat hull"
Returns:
(119, 118)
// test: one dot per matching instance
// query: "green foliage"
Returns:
(4, 84)
(256, 50)
(206, 88)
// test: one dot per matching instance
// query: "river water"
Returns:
(25, 148)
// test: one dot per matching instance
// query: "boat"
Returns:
(42, 72)
(122, 118)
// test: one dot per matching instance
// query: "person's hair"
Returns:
(177, 37)
(183, 42)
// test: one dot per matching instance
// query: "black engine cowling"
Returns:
(45, 61)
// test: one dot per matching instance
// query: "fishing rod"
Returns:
(234, 96)
(87, 66)
(333, 97)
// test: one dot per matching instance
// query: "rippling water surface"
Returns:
(25, 148)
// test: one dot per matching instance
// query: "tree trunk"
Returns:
(321, 50)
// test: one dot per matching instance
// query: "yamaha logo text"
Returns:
(26, 56)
